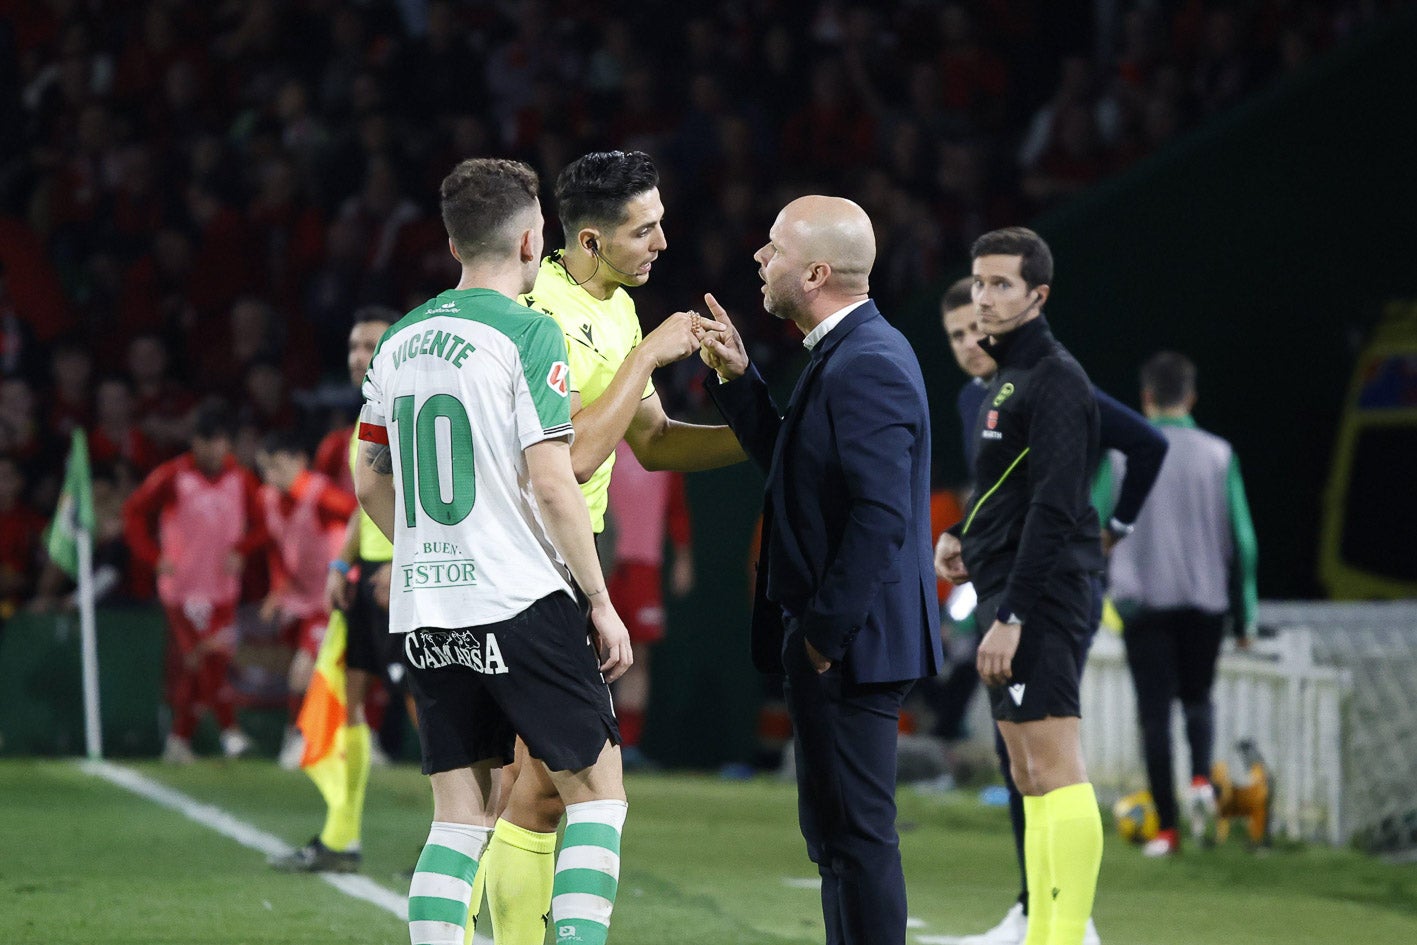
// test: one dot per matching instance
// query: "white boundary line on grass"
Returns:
(214, 818)
(357, 887)
(911, 922)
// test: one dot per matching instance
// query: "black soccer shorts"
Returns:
(1054, 644)
(534, 675)
(370, 647)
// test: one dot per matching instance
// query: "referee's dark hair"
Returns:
(594, 189)
(1170, 378)
(480, 199)
(958, 295)
(1036, 263)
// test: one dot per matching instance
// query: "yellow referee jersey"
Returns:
(373, 546)
(599, 337)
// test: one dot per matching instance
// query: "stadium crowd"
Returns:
(194, 198)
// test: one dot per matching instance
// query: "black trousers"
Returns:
(1172, 655)
(845, 748)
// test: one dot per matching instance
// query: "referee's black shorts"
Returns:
(371, 647)
(1053, 645)
(535, 675)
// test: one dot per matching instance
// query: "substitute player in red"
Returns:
(305, 514)
(195, 519)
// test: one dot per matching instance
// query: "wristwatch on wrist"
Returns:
(1119, 528)
(1004, 615)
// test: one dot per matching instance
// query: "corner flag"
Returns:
(75, 511)
(69, 542)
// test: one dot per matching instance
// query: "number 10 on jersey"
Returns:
(424, 469)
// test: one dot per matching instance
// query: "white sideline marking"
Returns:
(815, 882)
(214, 818)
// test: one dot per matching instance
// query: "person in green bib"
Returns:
(1186, 573)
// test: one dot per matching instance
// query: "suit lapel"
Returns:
(800, 394)
(794, 407)
(767, 616)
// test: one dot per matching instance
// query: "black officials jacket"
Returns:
(1036, 443)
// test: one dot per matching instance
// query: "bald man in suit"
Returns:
(845, 605)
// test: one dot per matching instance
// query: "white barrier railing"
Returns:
(1375, 642)
(1275, 695)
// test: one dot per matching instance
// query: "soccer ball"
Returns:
(1136, 817)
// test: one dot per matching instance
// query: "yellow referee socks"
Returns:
(344, 819)
(521, 869)
(479, 886)
(1074, 854)
(1037, 864)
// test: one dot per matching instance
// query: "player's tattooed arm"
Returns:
(374, 485)
(380, 459)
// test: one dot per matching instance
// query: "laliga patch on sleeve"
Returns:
(558, 378)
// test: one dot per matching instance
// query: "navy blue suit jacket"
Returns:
(846, 515)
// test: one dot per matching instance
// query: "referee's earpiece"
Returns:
(593, 244)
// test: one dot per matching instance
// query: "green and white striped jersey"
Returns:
(458, 389)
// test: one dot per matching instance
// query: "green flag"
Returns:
(75, 511)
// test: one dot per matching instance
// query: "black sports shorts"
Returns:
(371, 647)
(1054, 643)
(534, 675)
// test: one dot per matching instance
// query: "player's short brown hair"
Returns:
(480, 198)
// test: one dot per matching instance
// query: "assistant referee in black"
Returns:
(1030, 542)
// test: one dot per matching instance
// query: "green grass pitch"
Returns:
(705, 861)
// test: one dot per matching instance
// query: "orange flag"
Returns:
(323, 713)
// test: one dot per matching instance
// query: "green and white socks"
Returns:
(442, 883)
(587, 872)
(583, 894)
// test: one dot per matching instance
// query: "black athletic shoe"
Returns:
(315, 857)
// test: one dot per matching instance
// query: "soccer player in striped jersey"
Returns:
(466, 466)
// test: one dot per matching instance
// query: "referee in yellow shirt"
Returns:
(613, 221)
(369, 651)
